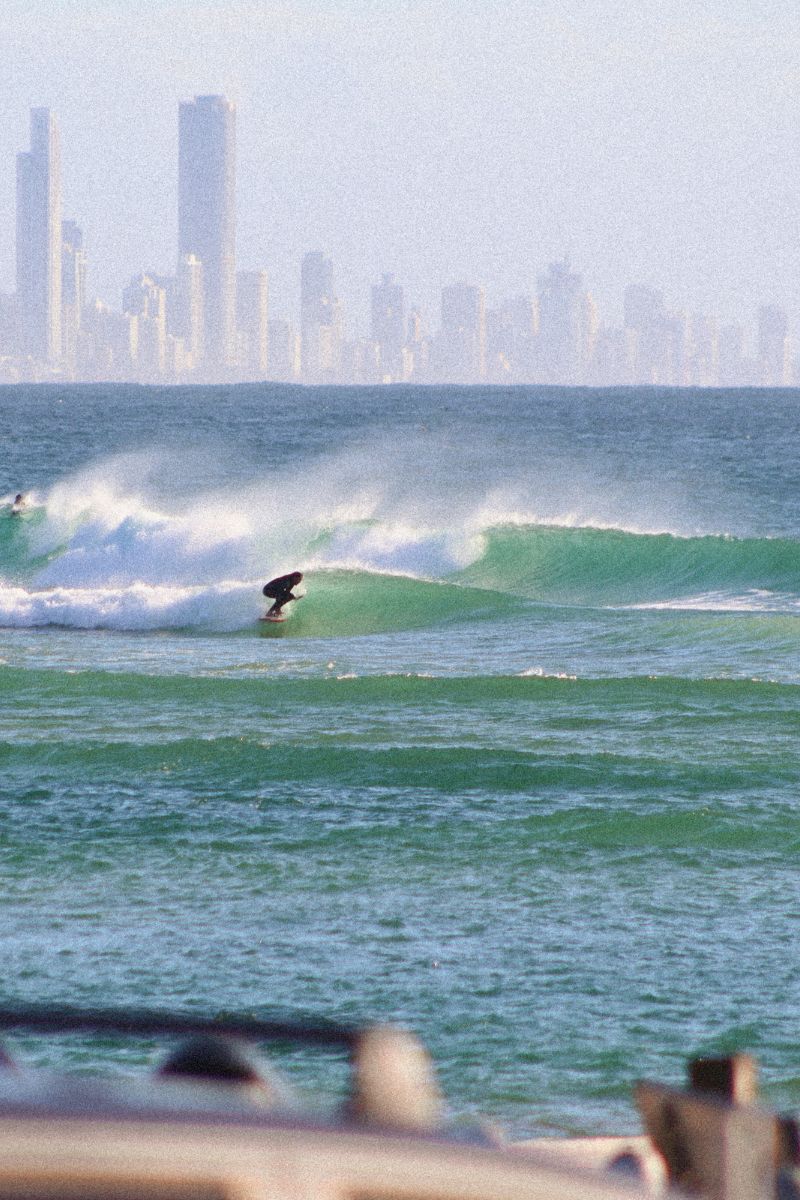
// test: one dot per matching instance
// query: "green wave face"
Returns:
(612, 566)
(146, 572)
(20, 554)
(347, 603)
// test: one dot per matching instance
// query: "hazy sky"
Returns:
(439, 139)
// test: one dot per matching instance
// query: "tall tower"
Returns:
(189, 305)
(316, 290)
(144, 299)
(462, 348)
(563, 321)
(207, 214)
(252, 302)
(73, 288)
(646, 317)
(320, 319)
(774, 355)
(39, 240)
(388, 326)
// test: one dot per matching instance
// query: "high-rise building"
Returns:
(39, 240)
(144, 299)
(110, 345)
(614, 359)
(734, 368)
(564, 324)
(73, 290)
(677, 331)
(252, 304)
(703, 351)
(207, 215)
(510, 333)
(316, 290)
(284, 352)
(646, 315)
(388, 327)
(361, 362)
(320, 319)
(774, 349)
(462, 342)
(417, 350)
(190, 308)
(664, 339)
(8, 326)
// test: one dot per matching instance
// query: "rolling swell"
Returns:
(613, 566)
(715, 696)
(722, 696)
(344, 603)
(124, 567)
(200, 765)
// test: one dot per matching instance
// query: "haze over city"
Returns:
(400, 598)
(439, 142)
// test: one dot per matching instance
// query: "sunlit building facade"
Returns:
(461, 356)
(252, 304)
(207, 216)
(39, 241)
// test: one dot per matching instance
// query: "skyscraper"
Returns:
(733, 365)
(462, 343)
(252, 303)
(284, 351)
(774, 349)
(647, 317)
(207, 214)
(316, 290)
(190, 308)
(320, 319)
(39, 240)
(563, 325)
(73, 287)
(144, 299)
(388, 326)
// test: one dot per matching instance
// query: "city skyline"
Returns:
(205, 321)
(436, 141)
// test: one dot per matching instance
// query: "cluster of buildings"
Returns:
(209, 322)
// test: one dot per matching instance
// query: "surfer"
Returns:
(19, 505)
(280, 590)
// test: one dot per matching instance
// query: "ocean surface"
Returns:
(521, 771)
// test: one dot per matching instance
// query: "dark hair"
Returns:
(211, 1058)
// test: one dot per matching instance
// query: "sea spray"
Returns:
(497, 735)
(111, 560)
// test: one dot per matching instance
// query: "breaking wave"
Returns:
(95, 552)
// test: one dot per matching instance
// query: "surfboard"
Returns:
(274, 620)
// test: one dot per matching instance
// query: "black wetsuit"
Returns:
(280, 590)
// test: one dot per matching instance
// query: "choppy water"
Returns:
(521, 769)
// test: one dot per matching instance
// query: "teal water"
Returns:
(521, 770)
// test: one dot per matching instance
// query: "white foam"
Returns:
(756, 600)
(133, 542)
(103, 529)
(401, 549)
(222, 607)
(540, 673)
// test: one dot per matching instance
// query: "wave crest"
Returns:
(94, 553)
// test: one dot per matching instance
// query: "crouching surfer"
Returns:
(19, 505)
(280, 590)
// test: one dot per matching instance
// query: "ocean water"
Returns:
(521, 771)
